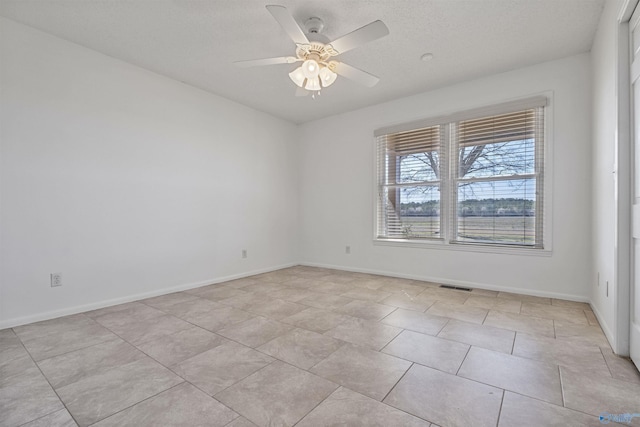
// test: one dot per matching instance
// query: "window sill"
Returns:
(441, 245)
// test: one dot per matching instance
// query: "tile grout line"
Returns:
(436, 369)
(584, 312)
(46, 415)
(384, 317)
(442, 329)
(561, 386)
(605, 362)
(443, 326)
(319, 403)
(235, 419)
(553, 404)
(484, 318)
(394, 386)
(316, 364)
(404, 411)
(240, 380)
(136, 403)
(396, 383)
(80, 348)
(462, 363)
(430, 305)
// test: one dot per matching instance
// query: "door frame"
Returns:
(623, 178)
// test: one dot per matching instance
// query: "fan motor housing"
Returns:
(315, 50)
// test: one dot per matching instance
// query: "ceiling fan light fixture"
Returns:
(313, 84)
(310, 68)
(297, 76)
(318, 70)
(327, 77)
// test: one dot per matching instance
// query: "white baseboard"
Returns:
(604, 326)
(17, 321)
(9, 323)
(463, 283)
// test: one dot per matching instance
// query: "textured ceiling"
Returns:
(196, 41)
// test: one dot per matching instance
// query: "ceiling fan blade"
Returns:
(362, 35)
(266, 61)
(301, 91)
(355, 74)
(288, 24)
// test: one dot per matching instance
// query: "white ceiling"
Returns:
(196, 41)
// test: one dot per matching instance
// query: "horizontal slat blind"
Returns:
(503, 128)
(416, 141)
(498, 179)
(408, 184)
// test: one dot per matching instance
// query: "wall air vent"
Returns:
(457, 288)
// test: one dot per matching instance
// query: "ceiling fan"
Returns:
(318, 69)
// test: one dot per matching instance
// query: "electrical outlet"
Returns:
(56, 279)
(347, 249)
(244, 253)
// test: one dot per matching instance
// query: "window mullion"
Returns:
(452, 184)
(444, 182)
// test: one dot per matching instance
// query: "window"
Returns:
(471, 178)
(409, 178)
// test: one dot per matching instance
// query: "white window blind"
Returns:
(474, 177)
(498, 179)
(409, 184)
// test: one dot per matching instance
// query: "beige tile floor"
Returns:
(314, 347)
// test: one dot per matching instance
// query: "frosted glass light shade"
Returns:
(313, 84)
(327, 77)
(310, 68)
(297, 76)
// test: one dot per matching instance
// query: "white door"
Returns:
(634, 28)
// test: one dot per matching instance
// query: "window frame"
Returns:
(448, 185)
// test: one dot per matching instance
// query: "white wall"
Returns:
(129, 183)
(336, 187)
(604, 61)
